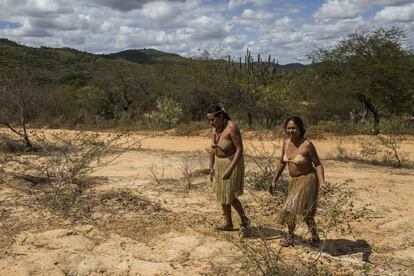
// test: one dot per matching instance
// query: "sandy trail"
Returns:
(131, 223)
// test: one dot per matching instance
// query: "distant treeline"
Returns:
(364, 83)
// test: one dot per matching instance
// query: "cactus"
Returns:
(258, 71)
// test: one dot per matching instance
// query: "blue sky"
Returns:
(287, 30)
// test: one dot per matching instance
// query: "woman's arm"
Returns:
(318, 165)
(279, 167)
(212, 159)
(236, 139)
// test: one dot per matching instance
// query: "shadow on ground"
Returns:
(340, 247)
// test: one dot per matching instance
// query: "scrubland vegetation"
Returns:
(153, 210)
(364, 84)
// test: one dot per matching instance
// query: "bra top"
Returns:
(225, 145)
(298, 159)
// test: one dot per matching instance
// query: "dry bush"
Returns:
(386, 149)
(190, 166)
(157, 173)
(342, 153)
(264, 164)
(65, 160)
(193, 166)
(336, 207)
(262, 257)
(336, 210)
(187, 169)
(382, 150)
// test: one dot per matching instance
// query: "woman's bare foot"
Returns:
(224, 227)
(245, 222)
(287, 242)
(314, 241)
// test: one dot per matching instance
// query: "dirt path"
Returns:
(142, 218)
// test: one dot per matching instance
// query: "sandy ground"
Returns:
(143, 216)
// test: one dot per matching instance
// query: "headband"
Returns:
(221, 110)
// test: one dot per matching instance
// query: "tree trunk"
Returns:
(27, 142)
(374, 112)
(23, 120)
(249, 120)
(369, 106)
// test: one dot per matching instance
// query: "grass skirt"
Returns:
(301, 200)
(229, 189)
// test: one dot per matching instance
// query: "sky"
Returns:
(286, 30)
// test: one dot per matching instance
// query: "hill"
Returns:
(148, 56)
(67, 65)
(293, 66)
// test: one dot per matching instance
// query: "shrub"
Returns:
(167, 114)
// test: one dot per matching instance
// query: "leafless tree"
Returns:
(17, 94)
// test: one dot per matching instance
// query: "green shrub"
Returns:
(167, 114)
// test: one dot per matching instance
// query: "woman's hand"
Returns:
(211, 175)
(323, 185)
(227, 174)
(272, 187)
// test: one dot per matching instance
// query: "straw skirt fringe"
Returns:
(229, 189)
(301, 200)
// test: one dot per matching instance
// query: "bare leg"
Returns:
(289, 240)
(291, 231)
(310, 222)
(227, 215)
(239, 208)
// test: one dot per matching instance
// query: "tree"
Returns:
(129, 90)
(17, 93)
(256, 88)
(372, 68)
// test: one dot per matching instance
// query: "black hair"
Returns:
(217, 110)
(298, 122)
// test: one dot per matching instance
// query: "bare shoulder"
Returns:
(233, 127)
(308, 145)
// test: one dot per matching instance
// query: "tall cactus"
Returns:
(259, 72)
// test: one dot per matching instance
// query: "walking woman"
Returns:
(306, 176)
(227, 165)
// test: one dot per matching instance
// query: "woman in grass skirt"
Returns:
(227, 165)
(306, 176)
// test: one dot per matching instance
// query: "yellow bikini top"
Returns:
(298, 159)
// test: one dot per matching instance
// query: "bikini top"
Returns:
(298, 159)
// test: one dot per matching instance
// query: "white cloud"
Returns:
(206, 27)
(346, 9)
(396, 14)
(233, 4)
(139, 38)
(340, 9)
(41, 8)
(275, 27)
(284, 23)
(236, 3)
(256, 15)
(162, 11)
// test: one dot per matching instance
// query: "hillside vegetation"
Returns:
(364, 84)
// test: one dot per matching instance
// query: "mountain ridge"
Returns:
(140, 56)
